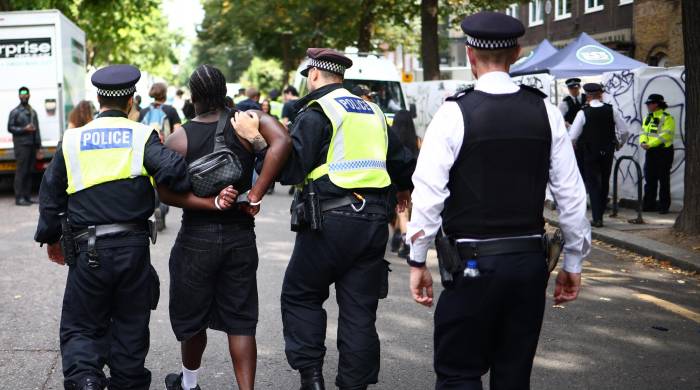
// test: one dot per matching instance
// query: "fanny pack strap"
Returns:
(219, 139)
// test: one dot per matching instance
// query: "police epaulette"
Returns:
(460, 93)
(533, 90)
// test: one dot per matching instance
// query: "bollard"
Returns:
(639, 219)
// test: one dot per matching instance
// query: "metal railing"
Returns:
(639, 219)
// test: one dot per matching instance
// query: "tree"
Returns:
(430, 44)
(262, 74)
(689, 219)
(117, 31)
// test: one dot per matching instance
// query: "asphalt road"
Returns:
(634, 326)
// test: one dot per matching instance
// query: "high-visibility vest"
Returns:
(276, 109)
(104, 150)
(658, 129)
(357, 151)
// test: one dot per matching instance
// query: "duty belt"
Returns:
(93, 232)
(476, 249)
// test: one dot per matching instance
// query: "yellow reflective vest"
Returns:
(658, 129)
(357, 151)
(104, 150)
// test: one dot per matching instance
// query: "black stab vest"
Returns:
(599, 131)
(573, 107)
(498, 181)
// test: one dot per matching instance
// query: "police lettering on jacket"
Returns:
(106, 139)
(352, 104)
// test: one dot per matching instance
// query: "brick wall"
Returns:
(658, 31)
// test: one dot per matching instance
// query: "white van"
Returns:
(45, 52)
(376, 73)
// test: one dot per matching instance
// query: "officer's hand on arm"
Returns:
(567, 287)
(421, 282)
(55, 253)
(275, 138)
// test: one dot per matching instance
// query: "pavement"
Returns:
(622, 232)
(633, 326)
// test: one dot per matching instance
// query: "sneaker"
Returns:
(174, 382)
(404, 251)
(160, 219)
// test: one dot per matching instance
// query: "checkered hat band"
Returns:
(328, 66)
(491, 44)
(116, 92)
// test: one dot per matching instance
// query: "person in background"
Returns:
(364, 92)
(240, 96)
(252, 102)
(658, 131)
(289, 113)
(179, 101)
(275, 106)
(569, 107)
(163, 117)
(23, 124)
(214, 260)
(80, 115)
(596, 132)
(230, 103)
(405, 129)
(266, 107)
(137, 102)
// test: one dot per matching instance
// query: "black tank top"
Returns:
(200, 142)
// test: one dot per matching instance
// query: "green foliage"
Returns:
(262, 74)
(132, 31)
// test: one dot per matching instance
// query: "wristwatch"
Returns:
(415, 264)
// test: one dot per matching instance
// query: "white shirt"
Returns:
(564, 108)
(441, 146)
(621, 131)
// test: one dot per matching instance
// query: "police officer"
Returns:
(101, 179)
(570, 106)
(658, 131)
(597, 131)
(23, 124)
(481, 177)
(347, 159)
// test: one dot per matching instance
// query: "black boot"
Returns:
(396, 241)
(312, 379)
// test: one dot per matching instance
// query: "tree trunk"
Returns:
(286, 58)
(364, 44)
(5, 5)
(429, 45)
(689, 219)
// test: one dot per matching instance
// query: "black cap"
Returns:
(592, 87)
(326, 59)
(573, 82)
(116, 80)
(655, 98)
(492, 30)
(23, 91)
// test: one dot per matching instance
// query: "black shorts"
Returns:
(213, 280)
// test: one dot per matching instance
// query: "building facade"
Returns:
(658, 32)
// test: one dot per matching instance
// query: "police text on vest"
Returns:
(115, 138)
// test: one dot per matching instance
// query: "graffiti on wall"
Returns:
(627, 91)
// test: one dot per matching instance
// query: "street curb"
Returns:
(678, 257)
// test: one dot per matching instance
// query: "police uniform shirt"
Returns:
(441, 146)
(130, 200)
(311, 135)
(564, 108)
(621, 129)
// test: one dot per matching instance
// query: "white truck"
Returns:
(378, 74)
(45, 52)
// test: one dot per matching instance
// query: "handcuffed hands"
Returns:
(55, 253)
(567, 287)
(226, 198)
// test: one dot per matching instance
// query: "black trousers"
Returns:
(25, 155)
(105, 316)
(657, 174)
(349, 252)
(491, 323)
(597, 166)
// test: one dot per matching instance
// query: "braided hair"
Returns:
(208, 87)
